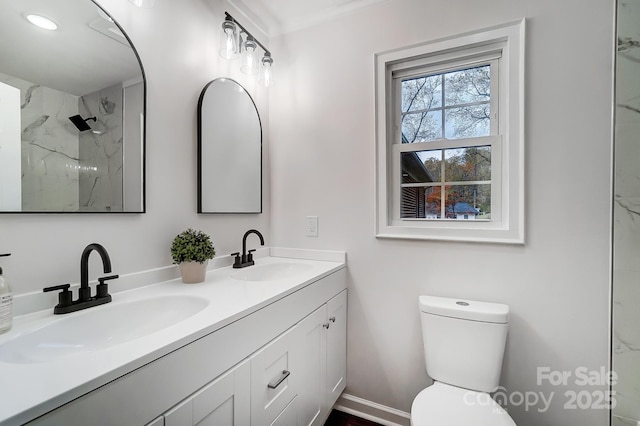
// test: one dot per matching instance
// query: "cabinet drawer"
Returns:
(271, 385)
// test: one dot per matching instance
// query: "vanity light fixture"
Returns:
(266, 78)
(42, 22)
(249, 57)
(236, 41)
(229, 47)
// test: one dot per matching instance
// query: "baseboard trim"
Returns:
(373, 411)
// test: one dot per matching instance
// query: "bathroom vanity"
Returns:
(265, 345)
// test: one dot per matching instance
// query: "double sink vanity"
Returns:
(264, 345)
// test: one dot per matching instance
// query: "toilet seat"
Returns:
(445, 405)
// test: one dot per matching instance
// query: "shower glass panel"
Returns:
(626, 212)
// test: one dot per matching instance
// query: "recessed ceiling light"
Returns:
(42, 22)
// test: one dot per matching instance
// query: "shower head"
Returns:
(81, 123)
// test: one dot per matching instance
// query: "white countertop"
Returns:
(28, 390)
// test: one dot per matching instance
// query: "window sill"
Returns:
(461, 234)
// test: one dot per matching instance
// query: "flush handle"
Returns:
(275, 384)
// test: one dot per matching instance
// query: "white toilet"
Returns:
(463, 344)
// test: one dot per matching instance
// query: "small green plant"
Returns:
(192, 246)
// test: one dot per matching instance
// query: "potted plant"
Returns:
(191, 250)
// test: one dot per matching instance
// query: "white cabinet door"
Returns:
(271, 379)
(223, 402)
(310, 366)
(288, 416)
(336, 347)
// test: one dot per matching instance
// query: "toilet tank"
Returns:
(464, 341)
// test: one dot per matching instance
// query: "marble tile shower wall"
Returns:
(101, 154)
(62, 169)
(626, 228)
(49, 147)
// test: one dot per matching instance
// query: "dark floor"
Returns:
(338, 418)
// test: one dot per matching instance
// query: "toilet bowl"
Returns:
(445, 405)
(464, 344)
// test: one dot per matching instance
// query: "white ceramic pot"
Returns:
(193, 272)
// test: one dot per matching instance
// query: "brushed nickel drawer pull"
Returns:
(275, 384)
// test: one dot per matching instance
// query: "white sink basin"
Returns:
(99, 327)
(270, 272)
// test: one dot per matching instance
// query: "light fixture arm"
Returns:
(228, 17)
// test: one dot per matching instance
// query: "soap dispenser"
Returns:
(6, 302)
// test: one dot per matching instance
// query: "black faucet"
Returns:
(247, 258)
(66, 303)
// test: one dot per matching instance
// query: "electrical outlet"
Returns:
(312, 226)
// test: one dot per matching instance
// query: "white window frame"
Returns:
(505, 42)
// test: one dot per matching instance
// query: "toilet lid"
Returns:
(445, 405)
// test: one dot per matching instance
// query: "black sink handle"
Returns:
(64, 297)
(107, 278)
(63, 287)
(102, 290)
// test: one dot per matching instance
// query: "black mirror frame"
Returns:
(200, 155)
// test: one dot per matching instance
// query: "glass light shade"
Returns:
(266, 71)
(249, 57)
(228, 42)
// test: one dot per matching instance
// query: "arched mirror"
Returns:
(229, 150)
(72, 103)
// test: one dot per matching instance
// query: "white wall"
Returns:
(557, 284)
(177, 42)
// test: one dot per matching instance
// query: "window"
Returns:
(454, 107)
(450, 138)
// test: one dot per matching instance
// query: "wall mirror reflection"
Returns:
(72, 103)
(229, 150)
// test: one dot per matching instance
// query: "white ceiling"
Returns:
(275, 17)
(78, 59)
(84, 55)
